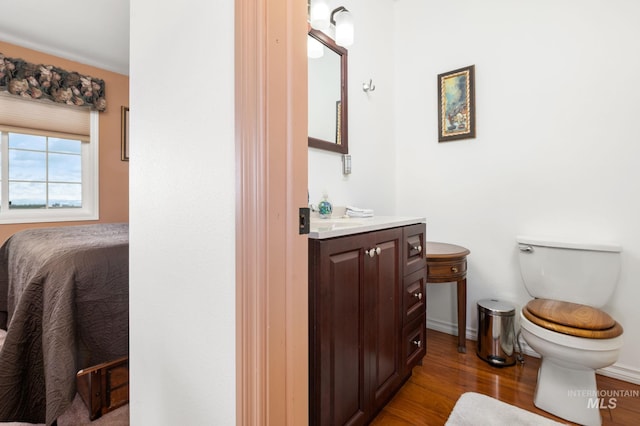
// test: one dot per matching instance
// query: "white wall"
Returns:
(371, 141)
(182, 292)
(556, 151)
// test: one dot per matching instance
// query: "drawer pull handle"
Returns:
(418, 295)
(454, 269)
(378, 250)
(418, 248)
(418, 343)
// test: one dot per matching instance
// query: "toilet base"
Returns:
(568, 392)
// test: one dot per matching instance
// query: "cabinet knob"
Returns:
(418, 295)
(372, 252)
(418, 343)
(418, 248)
(454, 269)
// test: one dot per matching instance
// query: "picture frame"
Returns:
(456, 104)
(124, 138)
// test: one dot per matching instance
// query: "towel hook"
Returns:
(368, 87)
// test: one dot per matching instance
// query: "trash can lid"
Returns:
(496, 307)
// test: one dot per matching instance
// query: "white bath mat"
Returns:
(473, 409)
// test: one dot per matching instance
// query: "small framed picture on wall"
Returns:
(456, 105)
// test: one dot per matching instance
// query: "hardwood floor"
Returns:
(429, 395)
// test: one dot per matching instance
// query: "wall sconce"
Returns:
(321, 18)
(319, 14)
(343, 21)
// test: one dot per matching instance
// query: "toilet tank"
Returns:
(585, 273)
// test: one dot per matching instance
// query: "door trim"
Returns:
(271, 183)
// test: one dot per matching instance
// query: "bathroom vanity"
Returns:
(367, 312)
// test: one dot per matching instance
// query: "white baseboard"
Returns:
(616, 371)
(449, 328)
(621, 372)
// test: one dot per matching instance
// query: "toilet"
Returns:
(570, 281)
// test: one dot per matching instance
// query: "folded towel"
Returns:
(358, 212)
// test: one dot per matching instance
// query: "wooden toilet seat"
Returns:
(572, 319)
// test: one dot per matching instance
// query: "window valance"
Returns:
(37, 81)
(21, 115)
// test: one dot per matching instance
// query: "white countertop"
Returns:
(341, 226)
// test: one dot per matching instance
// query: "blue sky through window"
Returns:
(41, 166)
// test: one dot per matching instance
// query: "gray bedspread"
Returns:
(64, 301)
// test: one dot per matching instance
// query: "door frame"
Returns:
(271, 180)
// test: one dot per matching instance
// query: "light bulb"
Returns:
(319, 15)
(344, 28)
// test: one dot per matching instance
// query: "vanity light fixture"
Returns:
(319, 14)
(343, 21)
(321, 18)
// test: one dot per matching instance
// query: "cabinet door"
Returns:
(384, 291)
(356, 353)
(338, 376)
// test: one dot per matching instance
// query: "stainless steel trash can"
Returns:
(496, 332)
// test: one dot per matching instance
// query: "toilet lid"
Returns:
(572, 318)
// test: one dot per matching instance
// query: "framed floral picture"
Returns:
(456, 105)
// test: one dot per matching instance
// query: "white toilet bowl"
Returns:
(567, 377)
(570, 281)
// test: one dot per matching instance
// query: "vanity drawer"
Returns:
(443, 271)
(415, 298)
(414, 343)
(414, 247)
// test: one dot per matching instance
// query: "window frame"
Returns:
(90, 186)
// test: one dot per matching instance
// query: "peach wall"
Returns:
(114, 173)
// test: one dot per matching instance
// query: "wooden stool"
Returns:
(447, 263)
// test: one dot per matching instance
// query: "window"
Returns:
(48, 173)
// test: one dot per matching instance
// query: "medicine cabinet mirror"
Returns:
(327, 86)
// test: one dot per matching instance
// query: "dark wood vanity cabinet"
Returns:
(366, 322)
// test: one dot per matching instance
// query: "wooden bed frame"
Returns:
(104, 387)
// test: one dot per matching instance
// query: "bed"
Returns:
(64, 303)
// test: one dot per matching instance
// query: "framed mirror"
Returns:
(327, 87)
